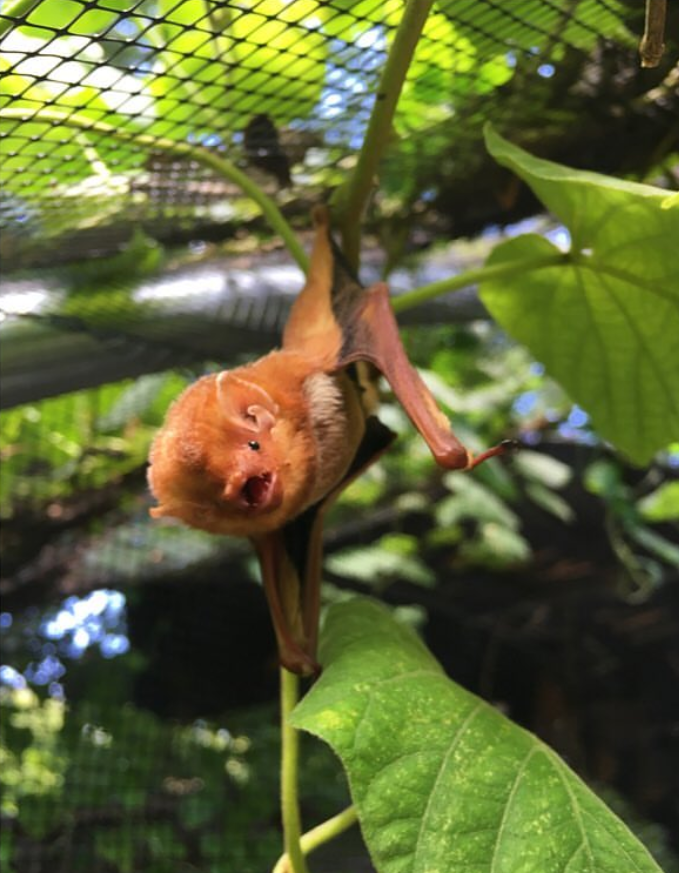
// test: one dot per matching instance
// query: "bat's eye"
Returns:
(254, 445)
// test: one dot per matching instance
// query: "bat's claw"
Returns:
(506, 447)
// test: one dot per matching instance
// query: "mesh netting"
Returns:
(282, 89)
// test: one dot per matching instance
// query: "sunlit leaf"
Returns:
(605, 318)
(661, 504)
(440, 779)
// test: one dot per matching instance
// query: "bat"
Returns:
(262, 451)
(263, 149)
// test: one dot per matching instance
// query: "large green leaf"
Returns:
(441, 780)
(604, 319)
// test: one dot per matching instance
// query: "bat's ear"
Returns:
(245, 404)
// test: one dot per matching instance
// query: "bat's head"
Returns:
(222, 460)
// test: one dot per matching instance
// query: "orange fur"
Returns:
(307, 425)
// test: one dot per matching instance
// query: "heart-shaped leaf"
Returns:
(604, 319)
(440, 779)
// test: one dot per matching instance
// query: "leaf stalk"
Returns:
(220, 165)
(475, 276)
(321, 834)
(296, 862)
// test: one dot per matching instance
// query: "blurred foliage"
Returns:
(479, 519)
(32, 758)
(199, 72)
(116, 789)
(60, 447)
(200, 69)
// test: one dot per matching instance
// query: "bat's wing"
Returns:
(337, 323)
(369, 332)
(313, 327)
(290, 560)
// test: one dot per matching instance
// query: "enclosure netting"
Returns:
(95, 95)
(286, 86)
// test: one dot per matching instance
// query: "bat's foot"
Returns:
(506, 447)
(296, 661)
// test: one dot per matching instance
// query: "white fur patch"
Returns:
(329, 422)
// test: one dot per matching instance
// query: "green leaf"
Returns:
(654, 543)
(603, 319)
(495, 545)
(38, 156)
(441, 780)
(604, 478)
(662, 504)
(473, 500)
(542, 468)
(377, 564)
(550, 502)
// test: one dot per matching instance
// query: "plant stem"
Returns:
(289, 774)
(351, 198)
(15, 14)
(220, 165)
(477, 275)
(322, 833)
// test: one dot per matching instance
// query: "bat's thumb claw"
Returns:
(506, 447)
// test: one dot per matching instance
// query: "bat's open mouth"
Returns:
(258, 490)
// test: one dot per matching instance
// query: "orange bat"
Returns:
(262, 450)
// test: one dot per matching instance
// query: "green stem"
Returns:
(472, 277)
(329, 829)
(319, 835)
(351, 198)
(15, 14)
(220, 165)
(289, 774)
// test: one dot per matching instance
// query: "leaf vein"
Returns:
(442, 768)
(577, 812)
(660, 374)
(505, 813)
(596, 333)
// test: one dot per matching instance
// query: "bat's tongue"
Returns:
(258, 492)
